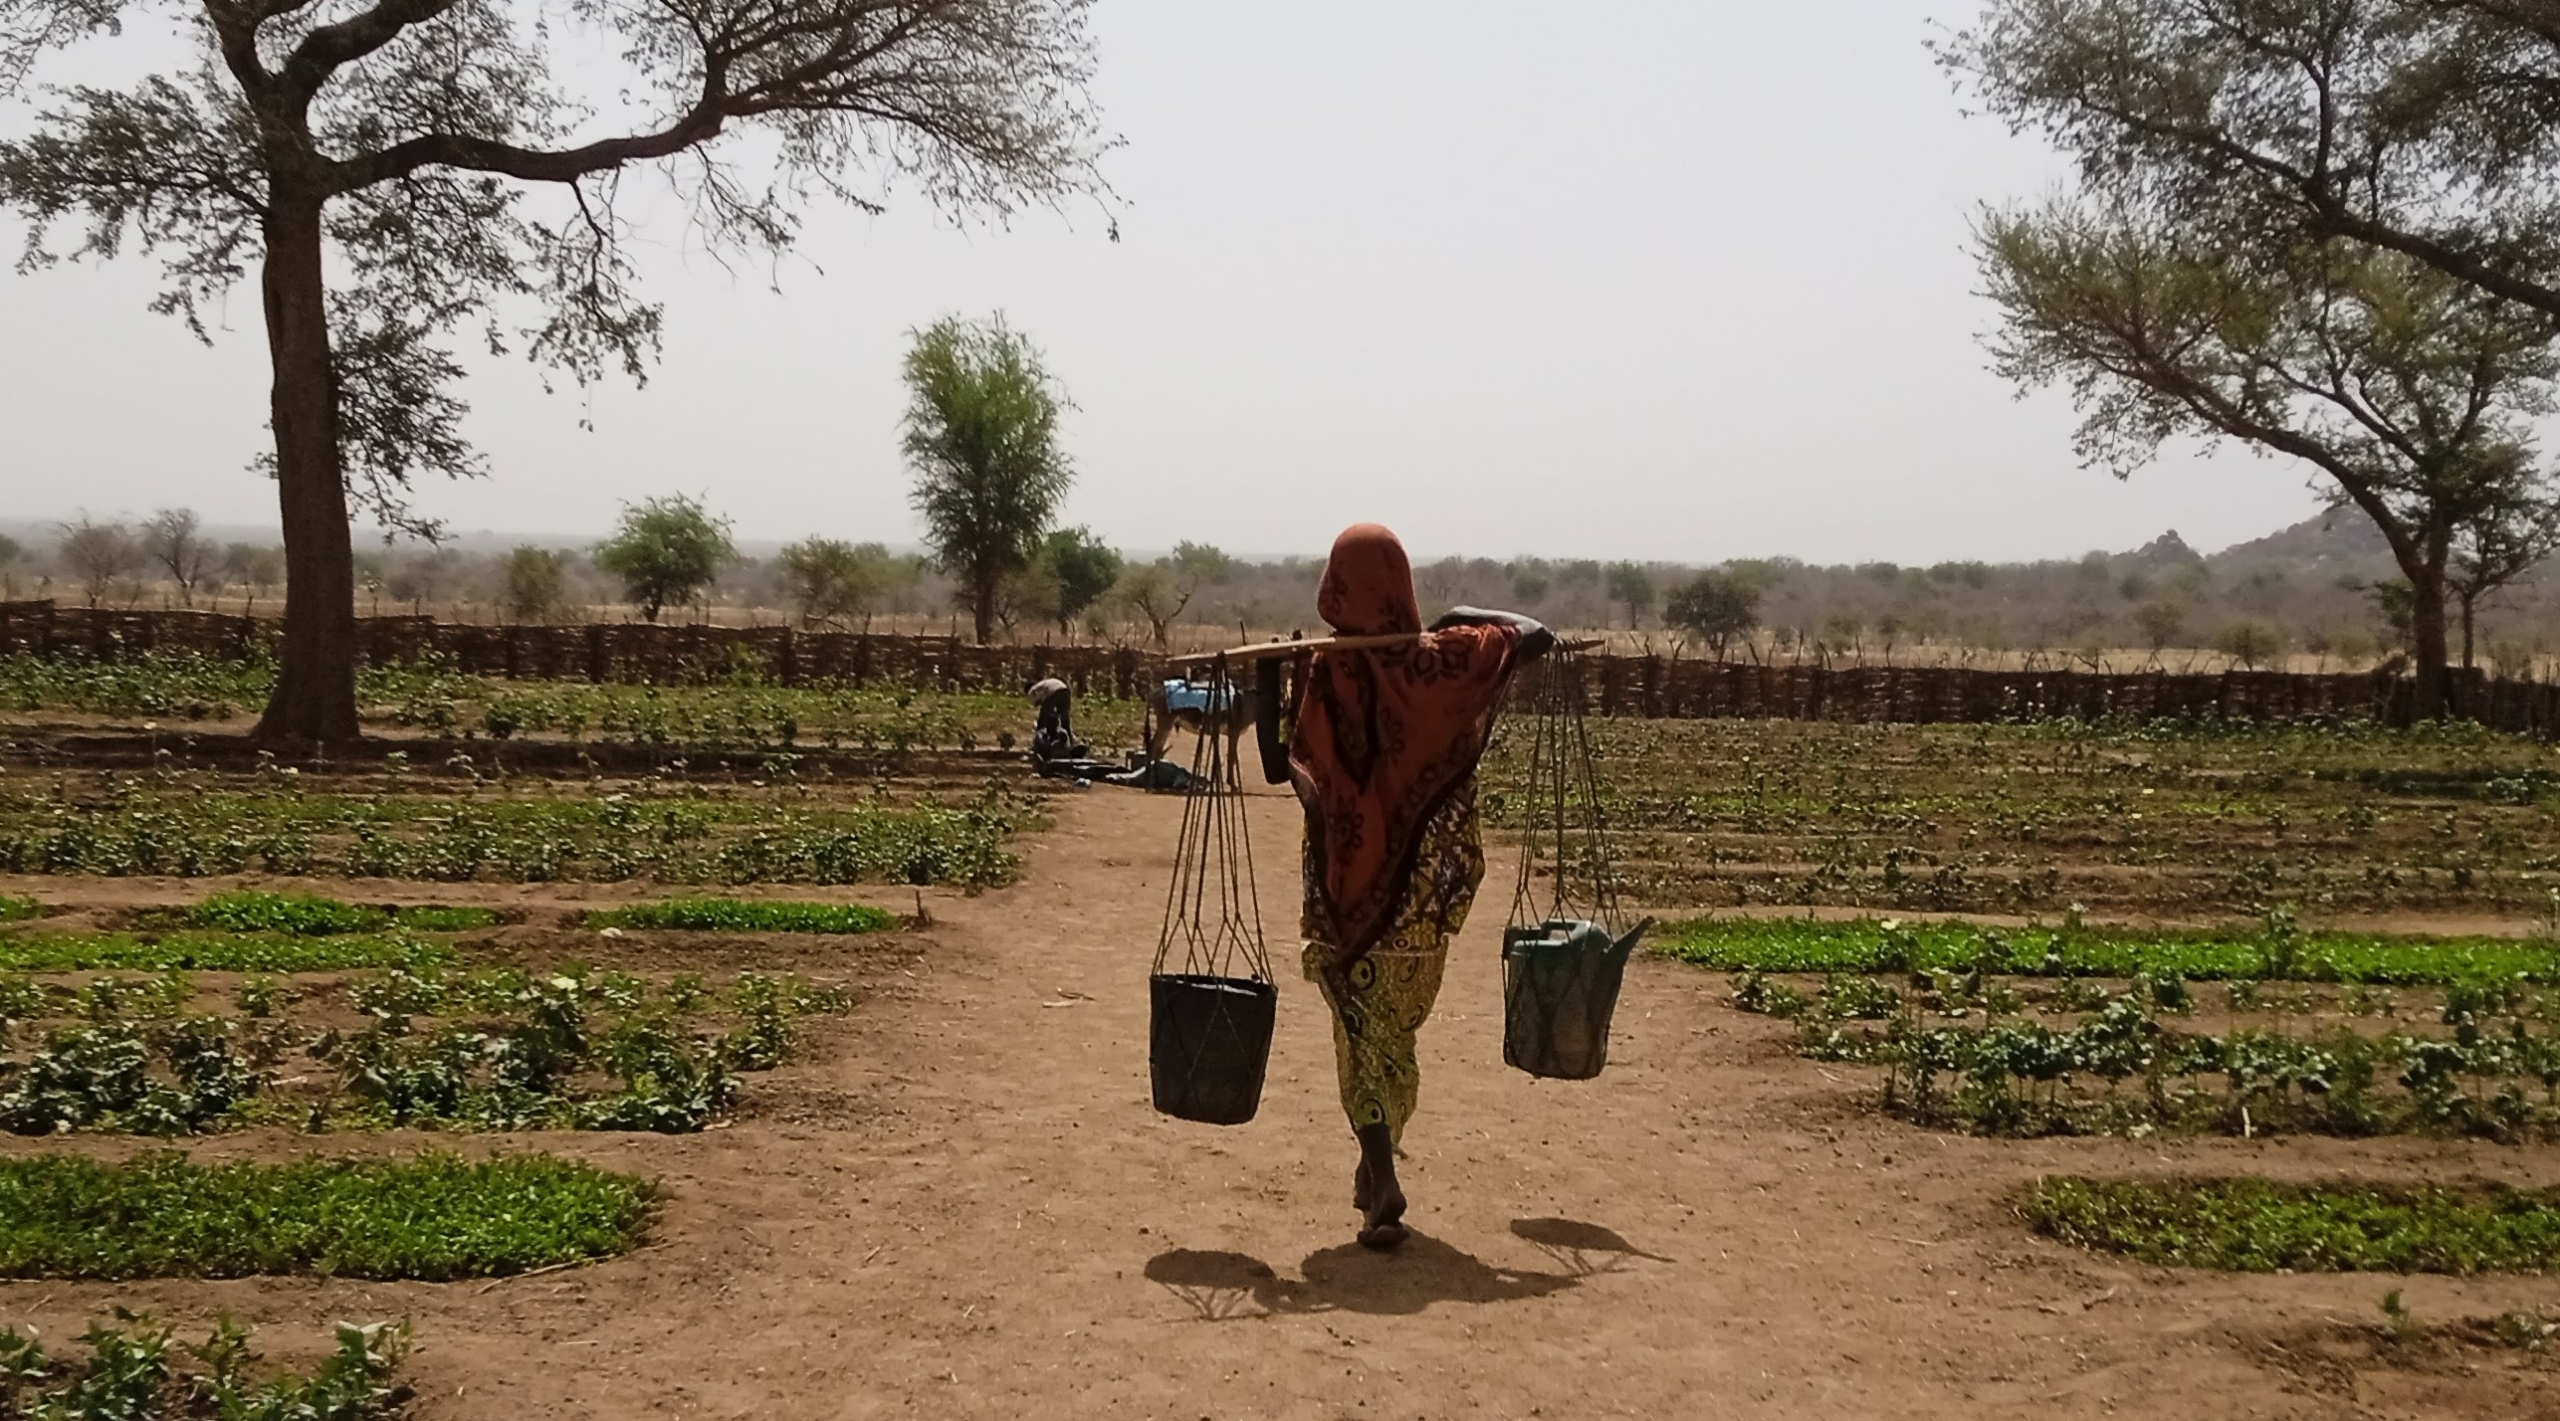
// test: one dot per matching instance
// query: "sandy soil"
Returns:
(964, 1207)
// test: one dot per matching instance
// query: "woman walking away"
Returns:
(1382, 749)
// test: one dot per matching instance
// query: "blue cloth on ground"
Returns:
(1207, 699)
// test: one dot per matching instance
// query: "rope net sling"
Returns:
(1565, 951)
(1562, 820)
(1212, 996)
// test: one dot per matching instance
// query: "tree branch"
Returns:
(30, 28)
(235, 32)
(2329, 213)
(324, 50)
(534, 165)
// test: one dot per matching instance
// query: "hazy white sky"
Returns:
(1676, 279)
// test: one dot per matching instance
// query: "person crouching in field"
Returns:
(1053, 731)
(1382, 748)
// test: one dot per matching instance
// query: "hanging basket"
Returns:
(1563, 957)
(1211, 999)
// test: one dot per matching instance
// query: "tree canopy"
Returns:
(1075, 570)
(1158, 592)
(829, 580)
(982, 437)
(98, 555)
(401, 176)
(1631, 586)
(2425, 128)
(171, 538)
(531, 579)
(666, 551)
(1716, 607)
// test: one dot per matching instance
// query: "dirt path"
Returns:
(969, 1210)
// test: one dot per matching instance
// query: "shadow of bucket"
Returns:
(1560, 983)
(1208, 1042)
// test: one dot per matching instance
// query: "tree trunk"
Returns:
(2427, 643)
(315, 694)
(983, 612)
(2468, 601)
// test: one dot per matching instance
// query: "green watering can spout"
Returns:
(1622, 947)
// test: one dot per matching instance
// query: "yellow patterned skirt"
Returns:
(1381, 1000)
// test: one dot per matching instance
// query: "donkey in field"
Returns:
(1204, 710)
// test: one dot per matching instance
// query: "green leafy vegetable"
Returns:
(433, 1217)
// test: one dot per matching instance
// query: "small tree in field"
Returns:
(2510, 536)
(531, 578)
(1844, 631)
(98, 555)
(829, 580)
(1717, 607)
(668, 550)
(982, 436)
(397, 175)
(1076, 571)
(2249, 643)
(256, 568)
(2395, 612)
(1203, 564)
(1631, 586)
(2160, 622)
(1157, 593)
(10, 553)
(171, 539)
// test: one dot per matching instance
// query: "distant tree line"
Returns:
(2307, 598)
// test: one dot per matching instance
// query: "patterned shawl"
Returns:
(1382, 737)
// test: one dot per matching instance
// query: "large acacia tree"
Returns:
(401, 173)
(2411, 394)
(2304, 195)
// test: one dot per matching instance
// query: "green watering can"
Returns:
(1560, 983)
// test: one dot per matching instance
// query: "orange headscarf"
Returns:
(1382, 737)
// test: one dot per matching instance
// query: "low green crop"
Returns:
(731, 915)
(523, 1074)
(99, 1077)
(135, 1372)
(2255, 1226)
(216, 952)
(185, 684)
(672, 839)
(14, 909)
(2121, 1069)
(2253, 952)
(433, 1217)
(309, 915)
(494, 1050)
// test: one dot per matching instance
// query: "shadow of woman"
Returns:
(1423, 1272)
(1581, 1249)
(1217, 1285)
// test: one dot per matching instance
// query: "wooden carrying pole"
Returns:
(1264, 651)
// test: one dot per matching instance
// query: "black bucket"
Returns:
(1560, 984)
(1208, 1043)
